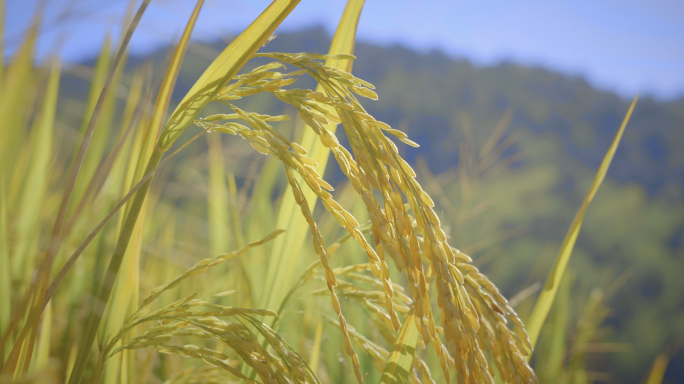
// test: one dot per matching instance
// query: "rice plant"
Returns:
(399, 302)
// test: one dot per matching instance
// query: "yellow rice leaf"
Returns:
(43, 351)
(217, 199)
(36, 187)
(548, 293)
(221, 70)
(398, 365)
(316, 349)
(657, 372)
(5, 275)
(101, 134)
(36, 179)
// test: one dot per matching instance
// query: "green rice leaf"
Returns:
(217, 199)
(548, 293)
(37, 176)
(5, 271)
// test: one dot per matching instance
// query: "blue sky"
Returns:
(627, 46)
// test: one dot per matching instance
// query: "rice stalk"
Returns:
(5, 271)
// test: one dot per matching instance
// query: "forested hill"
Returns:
(431, 92)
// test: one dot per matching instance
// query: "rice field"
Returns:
(269, 274)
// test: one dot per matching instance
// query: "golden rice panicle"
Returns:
(316, 110)
(319, 247)
(474, 315)
(470, 305)
(186, 318)
(264, 138)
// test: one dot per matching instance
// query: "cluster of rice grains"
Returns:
(474, 314)
(203, 318)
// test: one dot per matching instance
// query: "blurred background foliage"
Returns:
(507, 152)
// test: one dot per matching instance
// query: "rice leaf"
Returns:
(286, 249)
(548, 293)
(217, 199)
(316, 348)
(657, 371)
(551, 363)
(223, 68)
(101, 135)
(5, 271)
(398, 366)
(43, 351)
(35, 187)
(126, 287)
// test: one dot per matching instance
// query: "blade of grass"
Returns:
(35, 188)
(99, 140)
(316, 349)
(108, 169)
(125, 289)
(248, 291)
(43, 351)
(5, 271)
(286, 249)
(237, 222)
(398, 366)
(222, 69)
(556, 337)
(217, 199)
(79, 250)
(39, 284)
(657, 371)
(548, 293)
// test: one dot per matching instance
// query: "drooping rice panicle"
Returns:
(473, 313)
